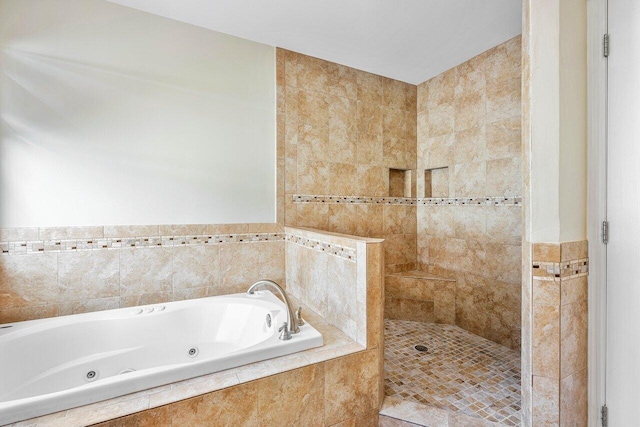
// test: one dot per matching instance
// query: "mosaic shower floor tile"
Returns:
(458, 371)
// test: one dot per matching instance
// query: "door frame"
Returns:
(596, 204)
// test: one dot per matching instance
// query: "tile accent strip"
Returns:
(72, 245)
(554, 271)
(330, 248)
(433, 201)
(473, 201)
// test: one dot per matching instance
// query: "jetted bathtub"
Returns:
(54, 364)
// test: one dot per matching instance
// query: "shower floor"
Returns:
(459, 371)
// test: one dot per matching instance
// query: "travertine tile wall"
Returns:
(326, 283)
(68, 270)
(342, 129)
(526, 338)
(469, 121)
(343, 391)
(559, 334)
(338, 392)
(357, 303)
(554, 349)
(420, 297)
(337, 277)
(334, 389)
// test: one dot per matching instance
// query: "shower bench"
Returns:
(419, 296)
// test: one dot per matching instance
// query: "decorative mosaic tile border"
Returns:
(345, 200)
(472, 201)
(432, 201)
(552, 271)
(72, 245)
(332, 249)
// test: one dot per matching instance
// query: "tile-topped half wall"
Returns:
(346, 290)
(47, 272)
(469, 147)
(328, 273)
(558, 306)
(342, 129)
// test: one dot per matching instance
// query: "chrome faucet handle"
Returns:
(291, 318)
(299, 316)
(285, 334)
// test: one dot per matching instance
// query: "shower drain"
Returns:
(421, 347)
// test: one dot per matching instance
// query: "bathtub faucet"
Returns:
(292, 323)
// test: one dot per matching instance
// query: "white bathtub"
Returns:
(54, 364)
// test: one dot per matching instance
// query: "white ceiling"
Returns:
(408, 40)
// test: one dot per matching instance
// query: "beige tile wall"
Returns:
(469, 122)
(559, 334)
(335, 390)
(339, 131)
(526, 345)
(334, 287)
(342, 129)
(44, 284)
(420, 297)
(343, 391)
(338, 392)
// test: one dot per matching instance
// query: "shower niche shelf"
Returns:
(436, 182)
(401, 183)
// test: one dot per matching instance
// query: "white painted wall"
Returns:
(545, 126)
(558, 180)
(110, 115)
(573, 120)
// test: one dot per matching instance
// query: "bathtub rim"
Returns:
(80, 412)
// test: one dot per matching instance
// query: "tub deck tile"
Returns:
(194, 387)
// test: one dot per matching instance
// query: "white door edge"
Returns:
(596, 205)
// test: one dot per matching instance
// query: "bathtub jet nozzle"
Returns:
(292, 323)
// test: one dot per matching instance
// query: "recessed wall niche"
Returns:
(400, 183)
(436, 182)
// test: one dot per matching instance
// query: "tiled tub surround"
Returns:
(59, 271)
(340, 382)
(559, 333)
(469, 123)
(202, 390)
(341, 130)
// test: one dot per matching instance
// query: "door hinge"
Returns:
(606, 45)
(605, 232)
(605, 416)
